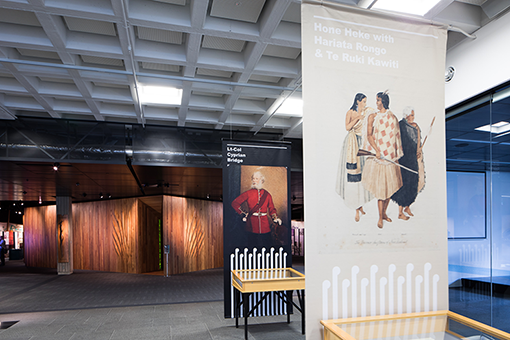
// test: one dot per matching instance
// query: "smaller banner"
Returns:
(256, 215)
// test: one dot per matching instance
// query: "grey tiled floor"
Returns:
(95, 305)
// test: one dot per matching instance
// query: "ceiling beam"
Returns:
(126, 37)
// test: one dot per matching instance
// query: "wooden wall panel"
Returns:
(122, 235)
(40, 225)
(194, 230)
(148, 222)
(106, 236)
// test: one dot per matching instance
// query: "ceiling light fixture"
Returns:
(416, 7)
(40, 200)
(163, 95)
(291, 106)
(56, 166)
(499, 127)
(101, 195)
(501, 95)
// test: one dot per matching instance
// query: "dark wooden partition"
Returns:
(40, 237)
(123, 235)
(106, 236)
(148, 221)
(194, 230)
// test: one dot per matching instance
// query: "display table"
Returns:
(283, 281)
(423, 326)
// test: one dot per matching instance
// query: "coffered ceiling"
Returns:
(236, 61)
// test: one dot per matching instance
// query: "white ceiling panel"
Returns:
(102, 60)
(21, 102)
(225, 44)
(173, 2)
(214, 73)
(207, 94)
(38, 54)
(70, 105)
(243, 120)
(11, 85)
(117, 110)
(473, 2)
(56, 80)
(90, 26)
(154, 34)
(293, 13)
(13, 16)
(154, 112)
(110, 85)
(203, 117)
(160, 67)
(266, 79)
(282, 51)
(243, 10)
(59, 90)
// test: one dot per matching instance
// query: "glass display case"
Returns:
(263, 280)
(441, 325)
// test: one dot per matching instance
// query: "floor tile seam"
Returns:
(103, 307)
(5, 297)
(208, 330)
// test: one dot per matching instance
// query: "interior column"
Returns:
(64, 235)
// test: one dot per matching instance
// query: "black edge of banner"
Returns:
(233, 236)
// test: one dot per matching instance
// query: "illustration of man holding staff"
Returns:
(381, 174)
(410, 134)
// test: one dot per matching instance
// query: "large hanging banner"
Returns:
(374, 164)
(256, 215)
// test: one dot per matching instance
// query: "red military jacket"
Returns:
(260, 204)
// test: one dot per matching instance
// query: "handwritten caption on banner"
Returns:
(358, 46)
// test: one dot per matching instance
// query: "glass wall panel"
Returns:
(468, 156)
(500, 209)
(478, 189)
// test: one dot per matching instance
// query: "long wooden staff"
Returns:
(428, 133)
(362, 152)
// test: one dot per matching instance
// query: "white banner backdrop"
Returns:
(376, 233)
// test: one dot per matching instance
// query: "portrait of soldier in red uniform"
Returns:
(257, 208)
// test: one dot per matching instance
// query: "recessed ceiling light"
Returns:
(160, 95)
(499, 127)
(417, 7)
(501, 95)
(291, 106)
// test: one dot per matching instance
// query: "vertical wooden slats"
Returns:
(99, 227)
(40, 227)
(148, 221)
(194, 230)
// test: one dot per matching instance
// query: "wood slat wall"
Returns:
(122, 235)
(194, 230)
(40, 227)
(148, 221)
(106, 236)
